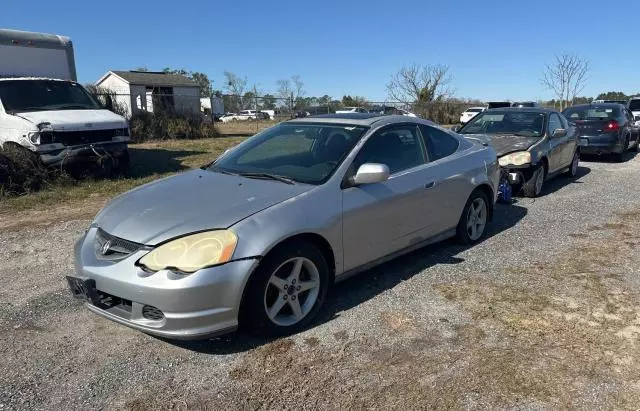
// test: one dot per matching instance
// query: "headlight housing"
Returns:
(193, 252)
(517, 159)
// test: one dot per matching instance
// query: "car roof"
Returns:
(612, 105)
(525, 109)
(360, 119)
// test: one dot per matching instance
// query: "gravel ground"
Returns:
(545, 313)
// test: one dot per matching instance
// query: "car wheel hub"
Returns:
(292, 291)
(477, 219)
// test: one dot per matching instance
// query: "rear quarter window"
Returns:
(440, 144)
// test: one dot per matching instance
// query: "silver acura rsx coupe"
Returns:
(256, 238)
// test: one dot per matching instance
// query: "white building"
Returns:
(148, 90)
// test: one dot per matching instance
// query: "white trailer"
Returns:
(36, 54)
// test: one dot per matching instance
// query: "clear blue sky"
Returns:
(495, 49)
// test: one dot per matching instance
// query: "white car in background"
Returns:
(470, 113)
(351, 110)
(634, 106)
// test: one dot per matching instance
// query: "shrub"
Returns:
(162, 125)
(21, 171)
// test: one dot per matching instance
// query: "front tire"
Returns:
(573, 168)
(533, 186)
(473, 222)
(287, 290)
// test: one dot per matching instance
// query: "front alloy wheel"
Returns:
(292, 291)
(473, 222)
(286, 291)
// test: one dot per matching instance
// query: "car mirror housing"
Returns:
(559, 132)
(370, 173)
(456, 128)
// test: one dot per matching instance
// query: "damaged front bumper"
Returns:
(85, 153)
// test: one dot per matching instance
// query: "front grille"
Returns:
(152, 313)
(109, 247)
(73, 138)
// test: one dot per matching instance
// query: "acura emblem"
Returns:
(106, 247)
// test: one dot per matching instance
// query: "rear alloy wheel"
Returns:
(287, 290)
(473, 222)
(533, 186)
(573, 168)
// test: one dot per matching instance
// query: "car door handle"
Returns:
(430, 185)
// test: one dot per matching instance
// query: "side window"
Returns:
(439, 143)
(554, 123)
(399, 147)
(565, 123)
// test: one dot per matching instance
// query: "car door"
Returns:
(449, 189)
(572, 139)
(381, 218)
(557, 145)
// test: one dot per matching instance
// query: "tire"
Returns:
(573, 168)
(533, 186)
(636, 147)
(474, 207)
(271, 288)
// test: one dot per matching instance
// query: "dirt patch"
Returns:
(86, 209)
(558, 334)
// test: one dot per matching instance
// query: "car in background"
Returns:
(498, 104)
(469, 113)
(258, 237)
(351, 110)
(605, 128)
(634, 106)
(525, 104)
(533, 144)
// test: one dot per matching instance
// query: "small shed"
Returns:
(151, 91)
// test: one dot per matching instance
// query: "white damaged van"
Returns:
(43, 108)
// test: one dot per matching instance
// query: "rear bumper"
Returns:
(603, 144)
(83, 153)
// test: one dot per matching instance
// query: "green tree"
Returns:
(612, 95)
(268, 102)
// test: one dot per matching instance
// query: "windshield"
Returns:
(634, 105)
(520, 123)
(591, 113)
(40, 95)
(306, 153)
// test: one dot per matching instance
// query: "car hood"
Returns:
(75, 120)
(192, 201)
(508, 143)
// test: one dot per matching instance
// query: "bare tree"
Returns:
(420, 83)
(291, 89)
(235, 85)
(566, 77)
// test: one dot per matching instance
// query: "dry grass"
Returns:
(150, 161)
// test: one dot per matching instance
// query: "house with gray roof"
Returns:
(151, 91)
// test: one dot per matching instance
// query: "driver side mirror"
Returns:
(559, 132)
(108, 104)
(456, 128)
(370, 173)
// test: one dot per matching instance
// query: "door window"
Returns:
(399, 147)
(554, 123)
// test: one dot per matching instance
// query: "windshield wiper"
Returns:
(268, 176)
(207, 167)
(21, 109)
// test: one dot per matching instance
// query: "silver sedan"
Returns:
(256, 238)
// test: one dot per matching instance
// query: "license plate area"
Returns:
(83, 288)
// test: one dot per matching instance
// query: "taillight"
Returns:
(612, 126)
